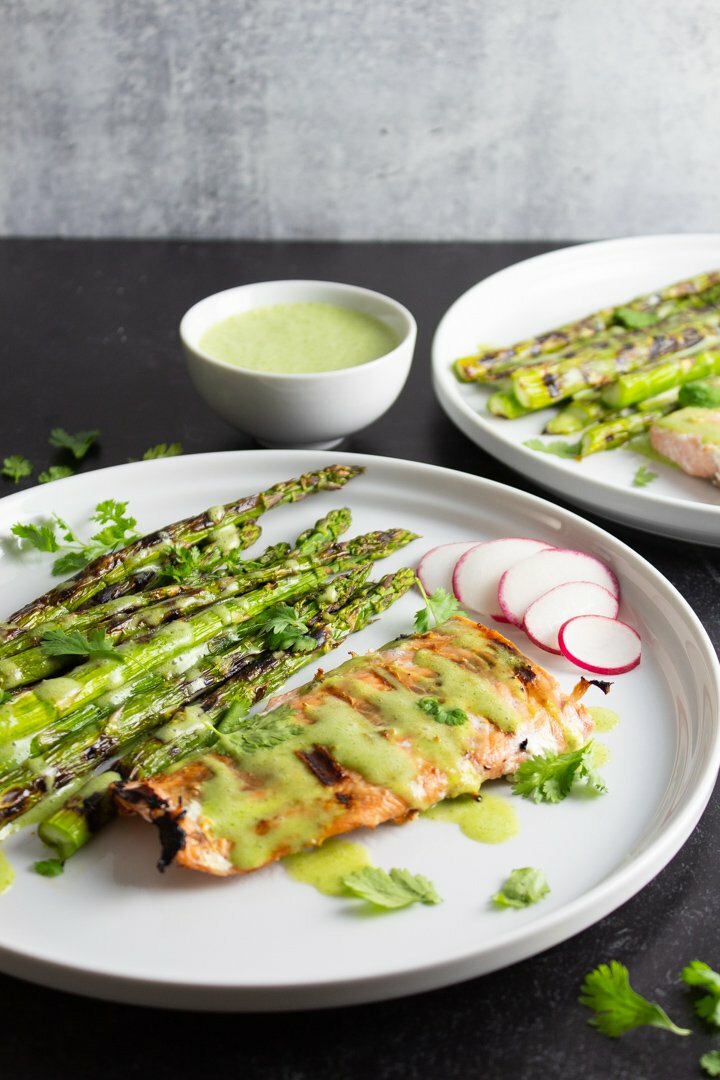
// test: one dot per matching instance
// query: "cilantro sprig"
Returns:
(94, 644)
(49, 867)
(524, 886)
(550, 777)
(285, 630)
(710, 1062)
(619, 1008)
(391, 890)
(634, 320)
(701, 975)
(78, 443)
(260, 732)
(16, 468)
(439, 606)
(163, 450)
(55, 472)
(117, 529)
(557, 447)
(643, 476)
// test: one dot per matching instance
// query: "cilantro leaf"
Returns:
(607, 991)
(5, 695)
(710, 1062)
(55, 472)
(49, 867)
(643, 476)
(450, 717)
(78, 444)
(16, 468)
(70, 562)
(260, 732)
(41, 537)
(439, 606)
(163, 450)
(550, 777)
(119, 526)
(697, 973)
(285, 630)
(634, 320)
(525, 885)
(396, 889)
(558, 447)
(706, 395)
(74, 643)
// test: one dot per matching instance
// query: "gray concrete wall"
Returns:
(364, 119)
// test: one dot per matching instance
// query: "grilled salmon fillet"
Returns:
(365, 748)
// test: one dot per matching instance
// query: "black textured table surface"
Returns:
(89, 339)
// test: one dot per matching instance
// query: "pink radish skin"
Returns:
(550, 611)
(600, 645)
(528, 580)
(478, 571)
(436, 567)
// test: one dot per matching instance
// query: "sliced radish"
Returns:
(527, 580)
(600, 645)
(550, 611)
(435, 569)
(478, 571)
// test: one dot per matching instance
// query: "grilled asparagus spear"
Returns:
(559, 378)
(490, 364)
(118, 565)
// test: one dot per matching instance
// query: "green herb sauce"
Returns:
(327, 866)
(7, 874)
(298, 338)
(490, 820)
(603, 719)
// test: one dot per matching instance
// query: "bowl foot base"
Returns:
(328, 445)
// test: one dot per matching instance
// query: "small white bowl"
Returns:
(312, 411)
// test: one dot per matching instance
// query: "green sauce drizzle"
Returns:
(327, 866)
(603, 719)
(7, 874)
(491, 820)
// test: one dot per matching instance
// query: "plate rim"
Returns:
(475, 426)
(581, 913)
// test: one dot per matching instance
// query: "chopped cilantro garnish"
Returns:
(525, 885)
(285, 630)
(41, 537)
(710, 1062)
(55, 472)
(74, 643)
(396, 889)
(78, 443)
(634, 320)
(163, 450)
(439, 606)
(558, 447)
(550, 777)
(450, 717)
(49, 867)
(260, 732)
(16, 468)
(699, 974)
(643, 476)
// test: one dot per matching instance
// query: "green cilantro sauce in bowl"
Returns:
(299, 363)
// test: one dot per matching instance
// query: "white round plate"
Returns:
(549, 290)
(111, 926)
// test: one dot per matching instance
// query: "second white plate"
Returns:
(549, 290)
